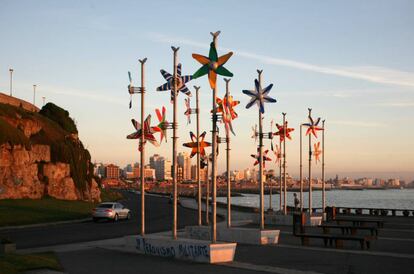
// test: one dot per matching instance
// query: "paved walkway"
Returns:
(393, 252)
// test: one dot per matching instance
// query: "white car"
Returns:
(110, 211)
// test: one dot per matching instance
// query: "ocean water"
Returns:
(390, 199)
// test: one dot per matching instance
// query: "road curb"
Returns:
(45, 224)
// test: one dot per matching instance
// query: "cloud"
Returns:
(374, 74)
(396, 104)
(357, 123)
(82, 94)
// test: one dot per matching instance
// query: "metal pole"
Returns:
(323, 167)
(142, 142)
(34, 95)
(261, 159)
(280, 176)
(11, 81)
(228, 161)
(310, 169)
(270, 193)
(300, 172)
(208, 192)
(198, 157)
(284, 166)
(174, 229)
(213, 162)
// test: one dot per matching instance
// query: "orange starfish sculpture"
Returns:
(193, 144)
(281, 131)
(317, 151)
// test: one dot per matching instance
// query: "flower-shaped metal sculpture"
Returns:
(278, 154)
(212, 65)
(257, 157)
(162, 125)
(313, 126)
(180, 80)
(188, 111)
(255, 133)
(226, 106)
(148, 132)
(317, 151)
(281, 131)
(193, 144)
(259, 96)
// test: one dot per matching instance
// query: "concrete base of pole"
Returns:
(278, 218)
(181, 249)
(235, 234)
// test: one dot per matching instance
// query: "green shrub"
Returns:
(60, 116)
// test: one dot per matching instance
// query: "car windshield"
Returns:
(105, 206)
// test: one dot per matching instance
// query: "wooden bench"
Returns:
(299, 221)
(364, 241)
(349, 229)
(358, 221)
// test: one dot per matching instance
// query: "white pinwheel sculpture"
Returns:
(259, 96)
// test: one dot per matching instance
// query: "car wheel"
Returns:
(116, 218)
(128, 216)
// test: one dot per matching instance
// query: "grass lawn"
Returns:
(16, 263)
(27, 211)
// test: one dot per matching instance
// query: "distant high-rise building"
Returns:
(184, 162)
(112, 171)
(162, 169)
(153, 159)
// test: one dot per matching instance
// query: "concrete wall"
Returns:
(6, 99)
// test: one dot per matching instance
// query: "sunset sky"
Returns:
(351, 61)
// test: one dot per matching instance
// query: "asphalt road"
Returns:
(158, 218)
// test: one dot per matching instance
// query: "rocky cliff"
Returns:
(41, 155)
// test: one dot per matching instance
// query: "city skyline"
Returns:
(367, 101)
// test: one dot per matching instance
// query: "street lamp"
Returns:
(34, 95)
(11, 81)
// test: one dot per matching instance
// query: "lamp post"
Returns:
(11, 81)
(259, 72)
(34, 95)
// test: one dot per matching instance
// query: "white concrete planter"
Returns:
(182, 248)
(280, 219)
(235, 234)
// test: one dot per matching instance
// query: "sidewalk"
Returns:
(393, 252)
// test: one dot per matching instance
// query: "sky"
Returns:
(350, 61)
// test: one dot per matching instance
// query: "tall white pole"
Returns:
(284, 166)
(142, 142)
(214, 160)
(34, 95)
(198, 156)
(208, 192)
(228, 161)
(175, 167)
(11, 81)
(300, 172)
(280, 177)
(310, 169)
(323, 168)
(261, 159)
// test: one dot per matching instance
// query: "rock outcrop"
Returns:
(40, 161)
